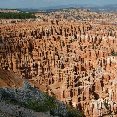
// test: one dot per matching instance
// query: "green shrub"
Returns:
(113, 53)
(73, 112)
(44, 106)
(50, 102)
(36, 106)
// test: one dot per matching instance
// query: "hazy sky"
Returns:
(48, 3)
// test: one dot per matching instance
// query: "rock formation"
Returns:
(74, 60)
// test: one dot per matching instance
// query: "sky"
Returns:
(49, 3)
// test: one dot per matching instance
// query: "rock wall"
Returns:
(75, 61)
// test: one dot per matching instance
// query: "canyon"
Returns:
(68, 57)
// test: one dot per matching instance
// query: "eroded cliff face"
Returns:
(10, 79)
(75, 61)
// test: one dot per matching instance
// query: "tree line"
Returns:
(21, 15)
